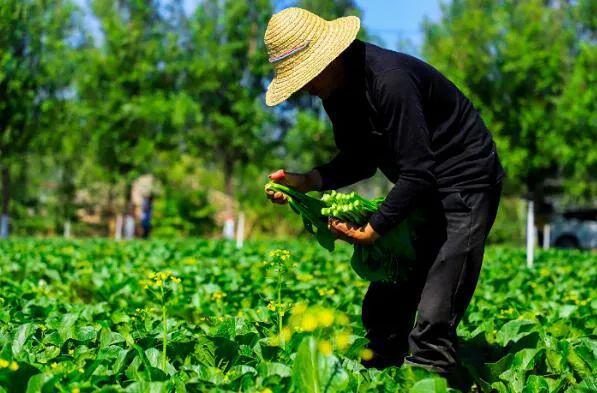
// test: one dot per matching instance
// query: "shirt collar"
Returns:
(354, 63)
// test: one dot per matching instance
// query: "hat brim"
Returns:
(339, 34)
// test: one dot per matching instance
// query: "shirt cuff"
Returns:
(380, 223)
(326, 179)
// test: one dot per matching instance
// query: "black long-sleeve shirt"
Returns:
(399, 114)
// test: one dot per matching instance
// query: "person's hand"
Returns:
(352, 233)
(299, 181)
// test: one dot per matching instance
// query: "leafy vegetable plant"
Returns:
(75, 316)
(386, 260)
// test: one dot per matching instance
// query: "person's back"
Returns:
(463, 152)
(463, 149)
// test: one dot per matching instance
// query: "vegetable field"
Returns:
(201, 316)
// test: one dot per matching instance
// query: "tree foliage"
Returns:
(528, 65)
(95, 94)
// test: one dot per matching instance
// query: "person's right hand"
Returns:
(298, 181)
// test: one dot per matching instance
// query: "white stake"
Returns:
(546, 236)
(129, 227)
(228, 231)
(240, 230)
(118, 227)
(530, 233)
(67, 229)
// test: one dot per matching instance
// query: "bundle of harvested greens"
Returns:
(385, 260)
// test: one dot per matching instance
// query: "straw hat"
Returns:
(300, 45)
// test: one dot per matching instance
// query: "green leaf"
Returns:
(528, 359)
(430, 385)
(232, 328)
(512, 331)
(65, 330)
(268, 369)
(578, 364)
(108, 337)
(305, 375)
(85, 333)
(536, 384)
(313, 372)
(494, 370)
(23, 333)
(588, 385)
(37, 382)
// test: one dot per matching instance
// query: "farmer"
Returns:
(394, 112)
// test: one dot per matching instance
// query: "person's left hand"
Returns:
(352, 233)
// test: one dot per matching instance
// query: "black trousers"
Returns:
(450, 243)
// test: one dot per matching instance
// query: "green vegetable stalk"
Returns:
(385, 260)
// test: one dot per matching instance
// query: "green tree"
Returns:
(33, 46)
(225, 71)
(528, 66)
(126, 85)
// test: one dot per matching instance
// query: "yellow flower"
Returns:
(175, 280)
(304, 277)
(81, 370)
(218, 295)
(342, 319)
(76, 390)
(366, 354)
(145, 283)
(54, 365)
(544, 272)
(271, 306)
(267, 390)
(299, 308)
(280, 255)
(326, 292)
(4, 363)
(325, 317)
(151, 275)
(71, 351)
(286, 333)
(342, 340)
(324, 347)
(159, 282)
(14, 366)
(309, 323)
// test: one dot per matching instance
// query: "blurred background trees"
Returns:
(529, 67)
(95, 94)
(34, 82)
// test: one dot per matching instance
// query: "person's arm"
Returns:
(345, 169)
(399, 102)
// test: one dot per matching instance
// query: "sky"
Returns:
(390, 20)
(394, 20)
